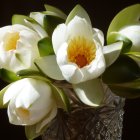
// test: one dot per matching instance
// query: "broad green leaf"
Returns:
(45, 47)
(8, 76)
(78, 11)
(134, 55)
(27, 73)
(30, 132)
(50, 23)
(112, 52)
(90, 92)
(19, 19)
(55, 11)
(61, 98)
(128, 90)
(1, 97)
(124, 69)
(49, 67)
(126, 17)
(115, 37)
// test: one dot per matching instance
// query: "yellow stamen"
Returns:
(10, 41)
(81, 51)
(23, 112)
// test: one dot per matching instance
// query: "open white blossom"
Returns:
(78, 50)
(18, 47)
(79, 58)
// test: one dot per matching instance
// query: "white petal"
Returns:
(29, 38)
(27, 96)
(59, 36)
(42, 106)
(41, 32)
(72, 73)
(98, 36)
(96, 67)
(13, 119)
(9, 61)
(62, 54)
(3, 32)
(90, 92)
(133, 33)
(112, 52)
(46, 119)
(13, 91)
(38, 16)
(49, 66)
(79, 27)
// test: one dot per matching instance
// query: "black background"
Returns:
(101, 13)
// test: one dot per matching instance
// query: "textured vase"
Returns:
(88, 123)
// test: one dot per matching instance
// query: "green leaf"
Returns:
(128, 90)
(51, 10)
(19, 19)
(90, 92)
(30, 132)
(49, 67)
(8, 76)
(78, 11)
(2, 92)
(124, 69)
(134, 55)
(45, 47)
(112, 52)
(115, 37)
(28, 73)
(126, 17)
(61, 98)
(50, 23)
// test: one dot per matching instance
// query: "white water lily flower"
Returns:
(18, 47)
(30, 101)
(132, 33)
(78, 50)
(79, 59)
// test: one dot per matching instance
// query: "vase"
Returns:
(88, 123)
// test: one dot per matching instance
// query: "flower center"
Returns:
(81, 51)
(23, 112)
(10, 41)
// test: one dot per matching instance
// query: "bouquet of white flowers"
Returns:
(53, 62)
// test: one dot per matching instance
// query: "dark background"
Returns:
(101, 13)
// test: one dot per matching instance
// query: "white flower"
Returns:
(78, 50)
(30, 101)
(18, 47)
(79, 59)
